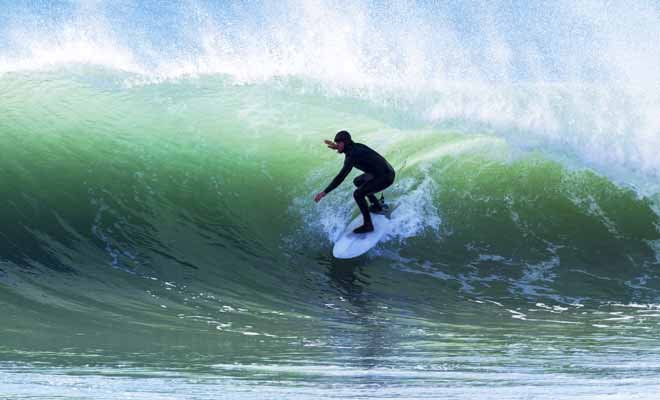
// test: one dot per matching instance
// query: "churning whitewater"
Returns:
(159, 237)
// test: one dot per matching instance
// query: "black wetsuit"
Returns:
(378, 175)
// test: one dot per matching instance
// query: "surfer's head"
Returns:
(342, 140)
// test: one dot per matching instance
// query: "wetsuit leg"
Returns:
(361, 180)
(370, 187)
(364, 208)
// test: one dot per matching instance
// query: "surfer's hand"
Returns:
(331, 145)
(319, 196)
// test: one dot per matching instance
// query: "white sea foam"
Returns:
(578, 81)
(416, 210)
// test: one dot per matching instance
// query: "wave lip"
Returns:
(556, 78)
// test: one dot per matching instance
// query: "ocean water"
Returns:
(158, 237)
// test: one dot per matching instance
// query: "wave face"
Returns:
(159, 163)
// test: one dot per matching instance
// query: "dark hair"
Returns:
(343, 136)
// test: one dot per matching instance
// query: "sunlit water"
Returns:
(158, 238)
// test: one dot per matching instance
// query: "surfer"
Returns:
(378, 175)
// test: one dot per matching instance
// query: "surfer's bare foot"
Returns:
(364, 229)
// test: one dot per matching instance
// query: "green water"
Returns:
(160, 241)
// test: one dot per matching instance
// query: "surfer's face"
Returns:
(340, 147)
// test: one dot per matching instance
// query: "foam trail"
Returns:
(416, 210)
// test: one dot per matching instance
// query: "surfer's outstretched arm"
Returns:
(348, 166)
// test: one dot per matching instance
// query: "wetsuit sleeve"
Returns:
(348, 166)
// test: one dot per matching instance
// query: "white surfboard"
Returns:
(350, 245)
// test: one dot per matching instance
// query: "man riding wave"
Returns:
(378, 175)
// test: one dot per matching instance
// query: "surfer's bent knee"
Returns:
(362, 179)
